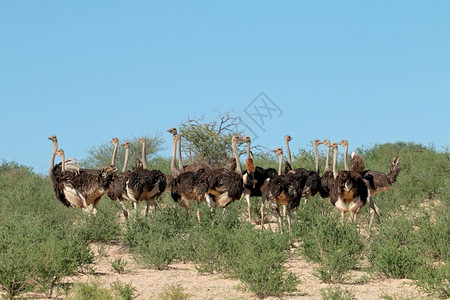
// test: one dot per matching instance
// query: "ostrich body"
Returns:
(376, 182)
(309, 180)
(84, 188)
(349, 188)
(224, 185)
(184, 186)
(117, 190)
(145, 185)
(282, 190)
(255, 178)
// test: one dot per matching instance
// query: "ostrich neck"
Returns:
(248, 149)
(144, 159)
(345, 158)
(113, 160)
(288, 154)
(335, 153)
(280, 163)
(180, 160)
(236, 156)
(52, 161)
(63, 162)
(327, 163)
(316, 154)
(125, 163)
(172, 161)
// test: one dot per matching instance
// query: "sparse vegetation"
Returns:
(42, 242)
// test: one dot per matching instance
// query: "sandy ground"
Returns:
(150, 283)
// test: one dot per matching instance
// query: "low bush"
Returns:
(333, 243)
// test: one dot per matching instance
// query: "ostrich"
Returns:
(224, 185)
(173, 168)
(255, 178)
(117, 188)
(83, 188)
(55, 173)
(282, 190)
(376, 182)
(327, 179)
(349, 188)
(311, 178)
(184, 185)
(357, 163)
(145, 185)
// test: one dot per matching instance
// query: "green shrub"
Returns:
(394, 250)
(92, 290)
(335, 244)
(337, 293)
(118, 265)
(123, 291)
(104, 227)
(173, 292)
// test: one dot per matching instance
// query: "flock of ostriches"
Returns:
(348, 190)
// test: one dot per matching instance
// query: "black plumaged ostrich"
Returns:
(117, 190)
(255, 178)
(184, 186)
(349, 188)
(82, 187)
(224, 185)
(327, 180)
(282, 190)
(376, 182)
(310, 178)
(145, 185)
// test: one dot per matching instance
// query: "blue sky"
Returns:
(88, 71)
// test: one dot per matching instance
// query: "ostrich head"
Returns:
(172, 130)
(334, 145)
(317, 142)
(142, 141)
(115, 141)
(126, 145)
(236, 139)
(278, 151)
(53, 138)
(246, 139)
(60, 152)
(343, 143)
(287, 138)
(326, 142)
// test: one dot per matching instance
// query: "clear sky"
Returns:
(87, 71)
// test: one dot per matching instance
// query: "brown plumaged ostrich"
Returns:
(357, 163)
(311, 179)
(83, 188)
(117, 188)
(55, 173)
(376, 182)
(173, 169)
(145, 185)
(184, 186)
(224, 185)
(349, 188)
(281, 190)
(327, 179)
(255, 178)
